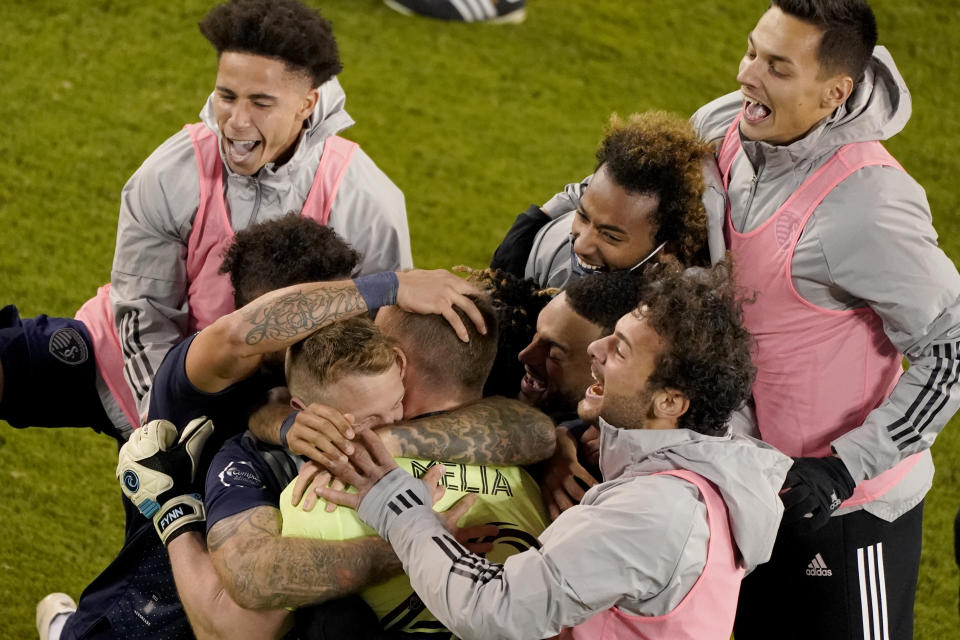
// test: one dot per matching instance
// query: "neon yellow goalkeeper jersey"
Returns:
(508, 498)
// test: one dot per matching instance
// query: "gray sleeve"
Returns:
(567, 200)
(593, 557)
(883, 250)
(371, 214)
(549, 261)
(148, 279)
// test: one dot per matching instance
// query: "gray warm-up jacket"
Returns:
(159, 202)
(870, 242)
(636, 541)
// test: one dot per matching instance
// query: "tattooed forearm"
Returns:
(262, 570)
(490, 431)
(297, 314)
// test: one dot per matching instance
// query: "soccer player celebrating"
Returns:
(836, 240)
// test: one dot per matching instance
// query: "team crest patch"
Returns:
(240, 473)
(787, 224)
(67, 346)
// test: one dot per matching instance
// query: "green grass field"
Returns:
(472, 122)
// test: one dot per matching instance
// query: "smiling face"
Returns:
(612, 228)
(621, 364)
(260, 106)
(556, 361)
(784, 95)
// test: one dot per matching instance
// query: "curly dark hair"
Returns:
(658, 153)
(283, 252)
(516, 304)
(706, 353)
(605, 297)
(282, 29)
(849, 32)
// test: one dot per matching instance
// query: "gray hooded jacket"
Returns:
(636, 541)
(870, 242)
(159, 202)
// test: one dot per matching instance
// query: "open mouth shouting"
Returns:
(595, 391)
(532, 386)
(240, 151)
(755, 112)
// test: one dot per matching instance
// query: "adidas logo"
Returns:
(818, 567)
(835, 502)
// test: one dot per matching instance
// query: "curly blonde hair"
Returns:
(658, 153)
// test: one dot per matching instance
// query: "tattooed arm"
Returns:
(210, 609)
(234, 346)
(495, 430)
(262, 570)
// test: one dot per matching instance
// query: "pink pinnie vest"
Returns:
(708, 609)
(209, 293)
(819, 371)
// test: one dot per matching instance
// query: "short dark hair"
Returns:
(658, 153)
(706, 353)
(438, 355)
(849, 32)
(603, 298)
(282, 29)
(286, 251)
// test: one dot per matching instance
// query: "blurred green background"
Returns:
(473, 122)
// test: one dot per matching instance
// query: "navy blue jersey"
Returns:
(43, 353)
(245, 474)
(135, 596)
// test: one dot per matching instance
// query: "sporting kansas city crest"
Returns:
(68, 347)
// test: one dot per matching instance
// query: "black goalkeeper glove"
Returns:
(814, 489)
(158, 473)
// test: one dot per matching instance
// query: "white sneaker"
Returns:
(49, 608)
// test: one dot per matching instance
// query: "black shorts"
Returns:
(49, 373)
(857, 571)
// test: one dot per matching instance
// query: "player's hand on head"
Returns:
(565, 480)
(438, 292)
(369, 462)
(158, 471)
(321, 433)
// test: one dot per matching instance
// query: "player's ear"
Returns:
(669, 403)
(401, 361)
(297, 403)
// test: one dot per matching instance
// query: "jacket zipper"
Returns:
(256, 202)
(753, 191)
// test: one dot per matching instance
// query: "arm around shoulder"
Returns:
(495, 430)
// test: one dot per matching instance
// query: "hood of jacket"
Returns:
(329, 117)
(748, 473)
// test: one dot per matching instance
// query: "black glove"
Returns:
(158, 473)
(814, 489)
